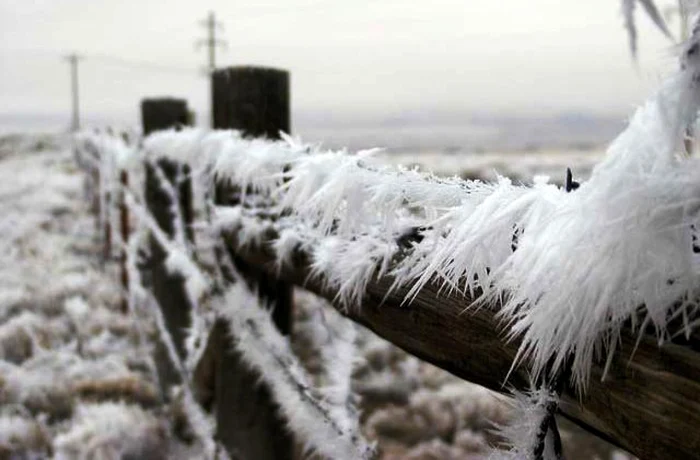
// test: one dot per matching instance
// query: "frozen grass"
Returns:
(76, 376)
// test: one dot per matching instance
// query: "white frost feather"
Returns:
(618, 248)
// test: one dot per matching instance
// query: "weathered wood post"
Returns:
(168, 288)
(124, 230)
(255, 101)
(163, 113)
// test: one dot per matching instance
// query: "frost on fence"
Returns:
(568, 269)
(563, 271)
(328, 424)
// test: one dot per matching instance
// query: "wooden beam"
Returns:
(649, 403)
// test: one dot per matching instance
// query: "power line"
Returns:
(141, 64)
(211, 42)
(74, 59)
(101, 58)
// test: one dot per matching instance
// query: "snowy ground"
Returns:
(76, 377)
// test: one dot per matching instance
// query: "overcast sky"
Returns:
(346, 57)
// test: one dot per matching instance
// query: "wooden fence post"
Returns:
(163, 113)
(255, 101)
(168, 288)
(107, 230)
(124, 230)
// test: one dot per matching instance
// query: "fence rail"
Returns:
(648, 403)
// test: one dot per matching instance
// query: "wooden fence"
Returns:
(648, 404)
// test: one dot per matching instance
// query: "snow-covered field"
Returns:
(521, 167)
(77, 378)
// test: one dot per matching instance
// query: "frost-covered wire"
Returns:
(196, 284)
(530, 428)
(173, 198)
(325, 425)
(177, 260)
(332, 337)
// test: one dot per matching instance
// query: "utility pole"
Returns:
(211, 42)
(73, 60)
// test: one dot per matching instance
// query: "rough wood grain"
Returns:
(649, 405)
